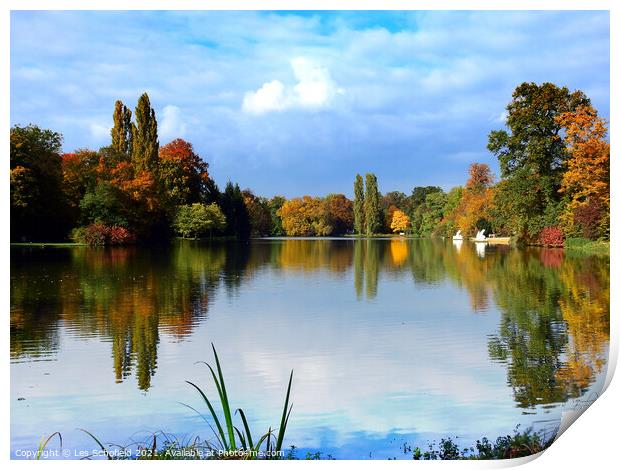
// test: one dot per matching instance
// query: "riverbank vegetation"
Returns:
(554, 185)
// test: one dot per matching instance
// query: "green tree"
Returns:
(122, 134)
(533, 155)
(372, 212)
(104, 204)
(433, 212)
(275, 204)
(358, 205)
(145, 143)
(38, 209)
(193, 220)
(234, 208)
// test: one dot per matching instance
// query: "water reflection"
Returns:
(550, 334)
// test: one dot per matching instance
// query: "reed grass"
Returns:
(227, 433)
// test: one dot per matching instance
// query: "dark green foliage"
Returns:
(532, 155)
(145, 143)
(235, 211)
(419, 194)
(105, 205)
(275, 204)
(38, 210)
(372, 210)
(358, 205)
(520, 444)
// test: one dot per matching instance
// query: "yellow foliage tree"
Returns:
(400, 221)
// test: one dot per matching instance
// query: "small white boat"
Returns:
(457, 236)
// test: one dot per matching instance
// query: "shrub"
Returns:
(98, 234)
(551, 236)
(119, 235)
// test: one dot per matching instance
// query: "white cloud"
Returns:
(314, 89)
(269, 97)
(171, 124)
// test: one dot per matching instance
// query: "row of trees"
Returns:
(553, 157)
(554, 163)
(132, 189)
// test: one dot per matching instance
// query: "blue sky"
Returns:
(297, 103)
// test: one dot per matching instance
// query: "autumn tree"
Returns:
(339, 213)
(586, 180)
(259, 213)
(300, 216)
(122, 133)
(358, 205)
(80, 172)
(472, 212)
(183, 174)
(532, 155)
(145, 142)
(400, 221)
(372, 212)
(388, 215)
(480, 177)
(313, 216)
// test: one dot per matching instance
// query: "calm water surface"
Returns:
(392, 341)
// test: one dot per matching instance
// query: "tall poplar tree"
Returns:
(122, 133)
(145, 144)
(372, 211)
(358, 204)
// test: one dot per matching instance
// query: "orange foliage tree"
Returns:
(400, 221)
(586, 179)
(473, 210)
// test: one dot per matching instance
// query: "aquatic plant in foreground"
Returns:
(248, 448)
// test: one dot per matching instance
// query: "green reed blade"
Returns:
(285, 414)
(43, 445)
(105, 451)
(225, 404)
(217, 421)
(247, 428)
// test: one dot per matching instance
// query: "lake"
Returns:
(393, 342)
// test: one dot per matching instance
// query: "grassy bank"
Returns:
(585, 246)
(52, 244)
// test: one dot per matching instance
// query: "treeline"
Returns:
(554, 183)
(133, 189)
(554, 163)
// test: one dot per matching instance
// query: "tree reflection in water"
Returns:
(552, 336)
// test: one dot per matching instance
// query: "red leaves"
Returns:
(551, 236)
(99, 234)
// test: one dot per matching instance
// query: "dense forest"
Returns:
(554, 184)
